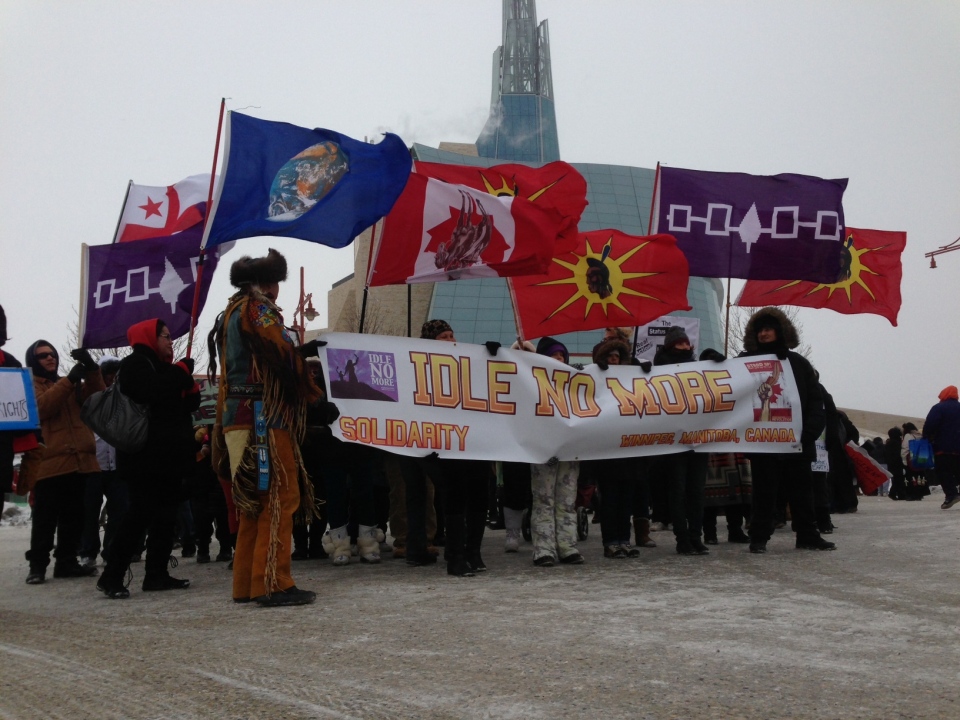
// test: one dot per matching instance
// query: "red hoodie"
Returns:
(145, 333)
(949, 393)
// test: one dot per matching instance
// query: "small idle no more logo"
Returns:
(785, 223)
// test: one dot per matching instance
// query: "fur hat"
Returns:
(432, 328)
(675, 335)
(770, 317)
(259, 271)
(602, 349)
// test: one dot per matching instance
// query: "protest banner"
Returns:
(414, 397)
(650, 336)
(18, 404)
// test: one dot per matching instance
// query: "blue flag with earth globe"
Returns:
(316, 185)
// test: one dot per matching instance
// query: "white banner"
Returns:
(18, 404)
(650, 336)
(415, 397)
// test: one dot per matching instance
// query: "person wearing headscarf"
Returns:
(942, 429)
(63, 463)
(154, 474)
(264, 392)
(770, 332)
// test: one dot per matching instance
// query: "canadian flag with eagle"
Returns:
(459, 221)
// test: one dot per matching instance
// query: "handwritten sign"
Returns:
(18, 404)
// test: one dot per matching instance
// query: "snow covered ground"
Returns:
(868, 631)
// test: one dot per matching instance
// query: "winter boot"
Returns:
(737, 535)
(368, 543)
(455, 549)
(641, 526)
(336, 542)
(513, 519)
(476, 524)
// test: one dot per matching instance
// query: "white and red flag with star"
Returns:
(440, 231)
(157, 211)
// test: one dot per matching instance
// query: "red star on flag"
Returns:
(151, 208)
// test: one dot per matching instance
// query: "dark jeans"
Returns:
(516, 485)
(659, 486)
(57, 509)
(415, 486)
(687, 473)
(349, 483)
(153, 508)
(948, 473)
(209, 509)
(616, 496)
(794, 470)
(106, 483)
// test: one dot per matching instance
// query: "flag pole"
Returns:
(366, 286)
(206, 219)
(726, 322)
(409, 310)
(84, 280)
(516, 315)
(653, 200)
(123, 207)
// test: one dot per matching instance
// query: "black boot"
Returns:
(736, 535)
(475, 527)
(455, 549)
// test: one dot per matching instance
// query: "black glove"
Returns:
(433, 456)
(492, 347)
(603, 364)
(76, 373)
(312, 348)
(711, 354)
(82, 356)
(331, 413)
(645, 365)
(188, 363)
(782, 354)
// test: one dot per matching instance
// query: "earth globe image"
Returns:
(305, 179)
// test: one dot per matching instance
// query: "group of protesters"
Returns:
(277, 485)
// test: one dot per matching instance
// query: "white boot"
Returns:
(513, 520)
(336, 542)
(369, 538)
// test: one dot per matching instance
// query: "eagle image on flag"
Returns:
(555, 185)
(151, 211)
(760, 227)
(316, 185)
(610, 278)
(441, 231)
(870, 273)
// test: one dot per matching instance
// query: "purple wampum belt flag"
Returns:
(124, 283)
(760, 227)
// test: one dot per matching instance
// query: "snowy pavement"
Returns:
(868, 631)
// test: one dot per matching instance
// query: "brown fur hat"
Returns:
(259, 271)
(602, 349)
(770, 317)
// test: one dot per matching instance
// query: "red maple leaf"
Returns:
(775, 392)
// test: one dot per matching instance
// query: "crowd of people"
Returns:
(272, 484)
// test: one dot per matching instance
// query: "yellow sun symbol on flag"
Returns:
(853, 270)
(506, 191)
(599, 278)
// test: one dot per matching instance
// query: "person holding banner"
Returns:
(770, 332)
(68, 458)
(265, 389)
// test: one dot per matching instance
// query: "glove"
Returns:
(82, 356)
(552, 462)
(331, 413)
(312, 348)
(781, 354)
(433, 456)
(492, 347)
(645, 365)
(711, 354)
(603, 364)
(187, 364)
(76, 373)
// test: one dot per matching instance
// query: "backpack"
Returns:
(117, 419)
(921, 455)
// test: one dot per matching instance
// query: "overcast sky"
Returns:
(94, 94)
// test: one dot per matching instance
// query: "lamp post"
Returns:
(305, 311)
(940, 251)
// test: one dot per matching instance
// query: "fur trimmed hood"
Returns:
(259, 271)
(786, 333)
(602, 349)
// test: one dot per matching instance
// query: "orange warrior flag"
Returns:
(869, 279)
(610, 278)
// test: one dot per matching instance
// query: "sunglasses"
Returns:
(45, 355)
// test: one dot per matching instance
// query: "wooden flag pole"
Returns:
(516, 315)
(409, 310)
(366, 285)
(206, 219)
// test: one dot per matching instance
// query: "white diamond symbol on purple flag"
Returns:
(171, 285)
(750, 227)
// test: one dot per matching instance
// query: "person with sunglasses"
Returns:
(62, 464)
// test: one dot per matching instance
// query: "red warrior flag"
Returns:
(440, 231)
(609, 279)
(869, 280)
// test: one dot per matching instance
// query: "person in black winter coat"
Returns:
(770, 332)
(156, 472)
